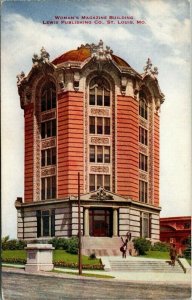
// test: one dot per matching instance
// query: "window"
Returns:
(143, 136)
(145, 225)
(48, 129)
(143, 110)
(45, 223)
(98, 125)
(99, 92)
(143, 191)
(99, 180)
(48, 97)
(143, 162)
(48, 188)
(48, 157)
(99, 154)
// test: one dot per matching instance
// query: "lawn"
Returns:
(58, 255)
(157, 254)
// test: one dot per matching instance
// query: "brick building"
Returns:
(89, 111)
(175, 230)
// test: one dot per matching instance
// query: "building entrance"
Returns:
(100, 222)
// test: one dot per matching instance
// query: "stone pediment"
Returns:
(102, 195)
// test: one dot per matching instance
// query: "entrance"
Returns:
(100, 222)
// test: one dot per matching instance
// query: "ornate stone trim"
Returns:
(143, 149)
(100, 112)
(48, 143)
(143, 176)
(48, 115)
(99, 169)
(48, 171)
(100, 141)
(143, 122)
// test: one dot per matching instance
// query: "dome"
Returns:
(84, 52)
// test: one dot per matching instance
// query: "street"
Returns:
(35, 287)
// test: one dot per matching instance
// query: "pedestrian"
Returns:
(128, 235)
(123, 248)
(173, 254)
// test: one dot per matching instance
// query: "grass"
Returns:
(157, 254)
(58, 255)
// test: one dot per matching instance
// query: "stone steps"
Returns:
(160, 266)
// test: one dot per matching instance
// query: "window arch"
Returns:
(143, 107)
(48, 96)
(99, 92)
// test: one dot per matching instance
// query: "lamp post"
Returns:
(79, 227)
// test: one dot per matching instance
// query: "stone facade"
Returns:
(88, 111)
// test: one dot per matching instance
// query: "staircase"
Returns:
(133, 264)
(103, 246)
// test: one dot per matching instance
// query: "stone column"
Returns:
(115, 233)
(86, 222)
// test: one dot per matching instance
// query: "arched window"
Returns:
(48, 96)
(143, 109)
(99, 92)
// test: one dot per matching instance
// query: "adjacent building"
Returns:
(89, 111)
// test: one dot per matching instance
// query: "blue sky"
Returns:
(165, 38)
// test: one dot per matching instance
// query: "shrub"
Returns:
(159, 246)
(141, 245)
(72, 245)
(12, 244)
(92, 256)
(187, 251)
(59, 243)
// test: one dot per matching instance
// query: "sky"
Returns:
(163, 35)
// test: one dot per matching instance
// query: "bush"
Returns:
(187, 251)
(12, 244)
(159, 246)
(92, 256)
(141, 245)
(59, 243)
(69, 245)
(72, 245)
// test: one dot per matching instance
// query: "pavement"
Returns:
(142, 277)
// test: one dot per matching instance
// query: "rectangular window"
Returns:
(45, 223)
(99, 125)
(99, 96)
(143, 191)
(92, 154)
(48, 157)
(107, 154)
(145, 225)
(143, 136)
(99, 180)
(92, 97)
(92, 124)
(92, 182)
(48, 188)
(107, 125)
(99, 154)
(48, 129)
(107, 182)
(143, 162)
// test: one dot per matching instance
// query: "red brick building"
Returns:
(89, 111)
(175, 230)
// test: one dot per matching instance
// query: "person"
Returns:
(123, 248)
(173, 254)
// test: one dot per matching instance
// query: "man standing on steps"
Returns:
(173, 254)
(123, 248)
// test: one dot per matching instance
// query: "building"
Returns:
(89, 111)
(175, 230)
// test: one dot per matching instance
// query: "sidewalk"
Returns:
(140, 277)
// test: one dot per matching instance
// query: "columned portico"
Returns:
(86, 221)
(115, 222)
